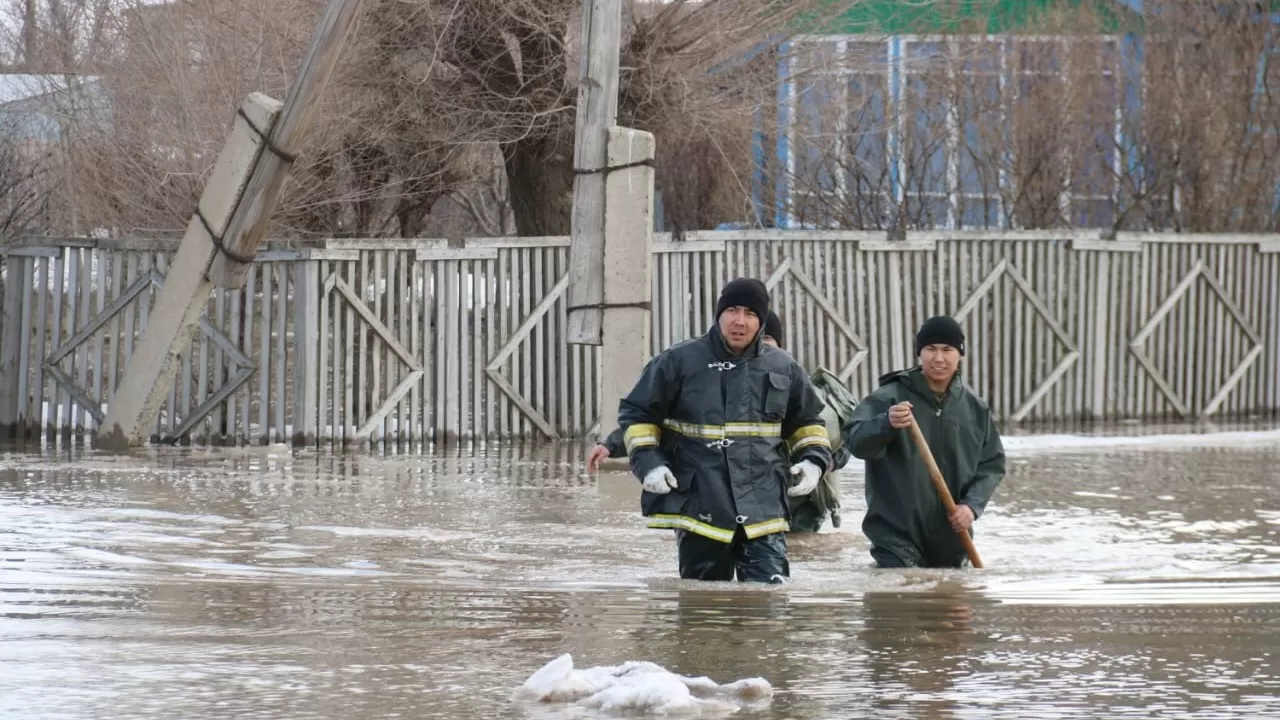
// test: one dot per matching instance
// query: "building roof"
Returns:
(895, 17)
(16, 87)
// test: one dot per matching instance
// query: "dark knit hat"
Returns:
(747, 292)
(773, 328)
(940, 330)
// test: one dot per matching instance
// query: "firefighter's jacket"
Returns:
(729, 428)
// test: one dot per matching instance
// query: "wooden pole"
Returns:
(249, 222)
(11, 364)
(597, 112)
(943, 492)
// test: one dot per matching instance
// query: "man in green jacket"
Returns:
(906, 521)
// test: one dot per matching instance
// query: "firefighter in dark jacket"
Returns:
(808, 512)
(720, 430)
(906, 521)
(613, 446)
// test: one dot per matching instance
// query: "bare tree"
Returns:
(426, 95)
(1057, 130)
(489, 204)
(60, 36)
(1213, 120)
(26, 181)
(500, 72)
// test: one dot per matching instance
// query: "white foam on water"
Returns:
(384, 532)
(283, 555)
(106, 558)
(1145, 594)
(1086, 493)
(1037, 444)
(149, 514)
(640, 688)
(334, 572)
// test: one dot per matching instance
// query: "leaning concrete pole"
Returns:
(223, 236)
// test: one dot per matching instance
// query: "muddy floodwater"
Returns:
(1123, 579)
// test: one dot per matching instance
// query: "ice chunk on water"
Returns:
(640, 687)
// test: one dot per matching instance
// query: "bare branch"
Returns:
(1049, 130)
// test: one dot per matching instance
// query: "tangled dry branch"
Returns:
(431, 98)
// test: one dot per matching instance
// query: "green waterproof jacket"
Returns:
(729, 428)
(904, 515)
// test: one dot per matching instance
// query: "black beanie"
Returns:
(773, 328)
(747, 292)
(940, 330)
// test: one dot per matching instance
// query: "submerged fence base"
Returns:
(422, 341)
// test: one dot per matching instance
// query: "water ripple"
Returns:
(255, 583)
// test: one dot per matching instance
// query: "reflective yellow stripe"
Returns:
(697, 527)
(682, 522)
(728, 430)
(767, 527)
(753, 429)
(808, 436)
(706, 432)
(641, 435)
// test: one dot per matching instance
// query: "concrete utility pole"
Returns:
(628, 248)
(597, 112)
(223, 236)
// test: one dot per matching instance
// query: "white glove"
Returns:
(659, 480)
(809, 474)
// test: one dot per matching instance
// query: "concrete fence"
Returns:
(431, 341)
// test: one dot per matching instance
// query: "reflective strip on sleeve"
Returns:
(641, 435)
(808, 436)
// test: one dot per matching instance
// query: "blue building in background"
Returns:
(1002, 114)
(36, 109)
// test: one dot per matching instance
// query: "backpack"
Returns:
(839, 406)
(839, 402)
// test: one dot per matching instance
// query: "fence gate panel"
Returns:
(494, 369)
(536, 382)
(241, 367)
(82, 397)
(335, 288)
(786, 271)
(1252, 339)
(1004, 269)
